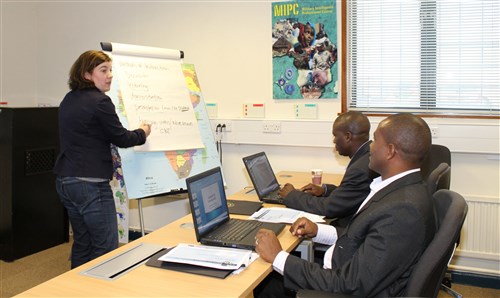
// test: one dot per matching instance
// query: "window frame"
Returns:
(343, 76)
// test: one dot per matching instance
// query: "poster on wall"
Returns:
(304, 50)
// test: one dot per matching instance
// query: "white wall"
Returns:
(230, 45)
(18, 57)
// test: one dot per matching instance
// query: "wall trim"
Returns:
(474, 279)
(467, 138)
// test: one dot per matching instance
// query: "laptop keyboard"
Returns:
(236, 230)
(274, 196)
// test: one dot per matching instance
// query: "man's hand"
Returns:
(315, 190)
(303, 227)
(286, 190)
(267, 245)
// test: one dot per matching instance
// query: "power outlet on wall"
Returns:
(434, 131)
(226, 126)
(271, 127)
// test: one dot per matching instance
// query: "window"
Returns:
(422, 56)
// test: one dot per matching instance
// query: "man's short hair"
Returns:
(355, 122)
(410, 134)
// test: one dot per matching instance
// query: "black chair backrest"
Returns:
(437, 155)
(439, 178)
(425, 279)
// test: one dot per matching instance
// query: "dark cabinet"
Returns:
(32, 218)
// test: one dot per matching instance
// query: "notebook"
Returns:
(263, 179)
(212, 224)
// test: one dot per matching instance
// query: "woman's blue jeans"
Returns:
(92, 213)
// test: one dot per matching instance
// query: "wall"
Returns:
(18, 61)
(229, 43)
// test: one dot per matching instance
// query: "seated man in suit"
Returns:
(377, 251)
(351, 132)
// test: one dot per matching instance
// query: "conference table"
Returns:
(148, 281)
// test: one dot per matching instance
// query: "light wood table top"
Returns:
(155, 282)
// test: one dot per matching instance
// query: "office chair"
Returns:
(439, 178)
(425, 279)
(437, 155)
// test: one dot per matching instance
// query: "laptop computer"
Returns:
(243, 207)
(212, 224)
(263, 179)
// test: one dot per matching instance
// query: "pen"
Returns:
(248, 191)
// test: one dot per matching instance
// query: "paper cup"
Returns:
(317, 174)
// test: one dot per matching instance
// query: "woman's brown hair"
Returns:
(85, 63)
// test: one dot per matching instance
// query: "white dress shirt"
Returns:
(328, 234)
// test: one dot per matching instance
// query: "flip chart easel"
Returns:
(156, 171)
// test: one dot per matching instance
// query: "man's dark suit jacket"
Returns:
(343, 201)
(88, 124)
(376, 253)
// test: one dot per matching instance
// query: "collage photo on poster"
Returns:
(304, 50)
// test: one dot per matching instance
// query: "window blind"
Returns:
(425, 56)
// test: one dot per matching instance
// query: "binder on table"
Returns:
(187, 268)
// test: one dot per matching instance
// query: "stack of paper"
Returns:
(284, 215)
(208, 256)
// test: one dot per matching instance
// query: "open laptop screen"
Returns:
(208, 200)
(261, 173)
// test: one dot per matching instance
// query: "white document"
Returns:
(208, 256)
(254, 256)
(284, 215)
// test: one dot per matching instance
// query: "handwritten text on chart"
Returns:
(165, 127)
(143, 65)
(154, 91)
(145, 101)
(160, 108)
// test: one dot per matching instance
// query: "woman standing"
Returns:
(88, 125)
